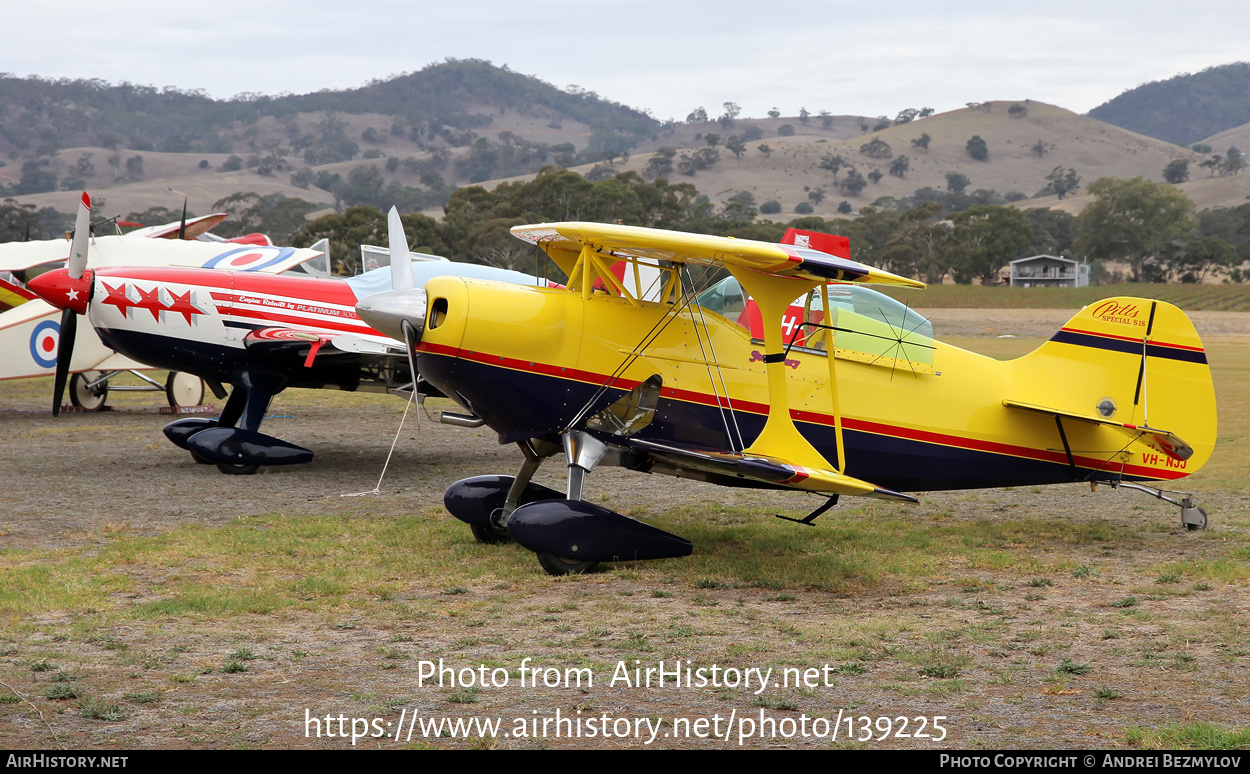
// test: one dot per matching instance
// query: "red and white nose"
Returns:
(63, 291)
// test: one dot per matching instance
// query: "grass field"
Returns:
(1219, 298)
(1028, 617)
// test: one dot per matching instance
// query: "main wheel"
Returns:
(84, 397)
(488, 535)
(184, 390)
(232, 469)
(558, 565)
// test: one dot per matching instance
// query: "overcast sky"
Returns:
(665, 56)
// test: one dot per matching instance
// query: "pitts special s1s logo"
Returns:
(1115, 312)
(758, 357)
(156, 300)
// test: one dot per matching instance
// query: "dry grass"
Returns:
(186, 609)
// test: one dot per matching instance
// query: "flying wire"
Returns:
(720, 374)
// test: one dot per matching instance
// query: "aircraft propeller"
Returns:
(76, 267)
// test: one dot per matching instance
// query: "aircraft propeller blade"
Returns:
(64, 353)
(76, 266)
(82, 235)
(401, 261)
(182, 225)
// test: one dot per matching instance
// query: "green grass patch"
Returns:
(1194, 736)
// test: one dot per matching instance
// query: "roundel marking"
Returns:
(250, 258)
(43, 343)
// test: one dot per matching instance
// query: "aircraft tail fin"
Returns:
(1132, 363)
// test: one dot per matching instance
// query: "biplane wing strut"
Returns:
(780, 441)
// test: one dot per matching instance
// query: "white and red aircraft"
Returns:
(259, 333)
(29, 327)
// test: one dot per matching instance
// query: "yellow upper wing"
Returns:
(658, 244)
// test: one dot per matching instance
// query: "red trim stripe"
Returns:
(1152, 342)
(849, 423)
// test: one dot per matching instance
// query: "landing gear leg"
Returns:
(1193, 517)
(582, 452)
(255, 403)
(497, 532)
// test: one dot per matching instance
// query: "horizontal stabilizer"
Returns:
(1161, 440)
(767, 470)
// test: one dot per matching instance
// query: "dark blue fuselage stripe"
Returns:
(1129, 347)
(520, 404)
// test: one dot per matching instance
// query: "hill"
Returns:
(1186, 108)
(1024, 145)
(43, 116)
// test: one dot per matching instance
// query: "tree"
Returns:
(785, 130)
(765, 149)
(770, 207)
(1177, 171)
(900, 166)
(702, 159)
(875, 176)
(883, 122)
(134, 167)
(1040, 148)
(984, 240)
(1017, 111)
(1200, 256)
(906, 116)
(1053, 231)
(853, 183)
(712, 139)
(732, 110)
(816, 195)
(977, 148)
(877, 148)
(804, 115)
(697, 116)
(844, 207)
(736, 146)
(774, 113)
(661, 162)
(741, 206)
(922, 142)
(803, 208)
(832, 162)
(826, 119)
(1214, 164)
(1234, 162)
(957, 182)
(1061, 182)
(1133, 220)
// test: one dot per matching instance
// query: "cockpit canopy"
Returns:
(867, 326)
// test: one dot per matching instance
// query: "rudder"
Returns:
(1134, 363)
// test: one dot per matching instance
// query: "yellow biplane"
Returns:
(689, 355)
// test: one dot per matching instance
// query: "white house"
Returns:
(1048, 271)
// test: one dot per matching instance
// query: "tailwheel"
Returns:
(558, 565)
(232, 469)
(84, 397)
(1194, 518)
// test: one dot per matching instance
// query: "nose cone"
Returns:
(62, 291)
(386, 312)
